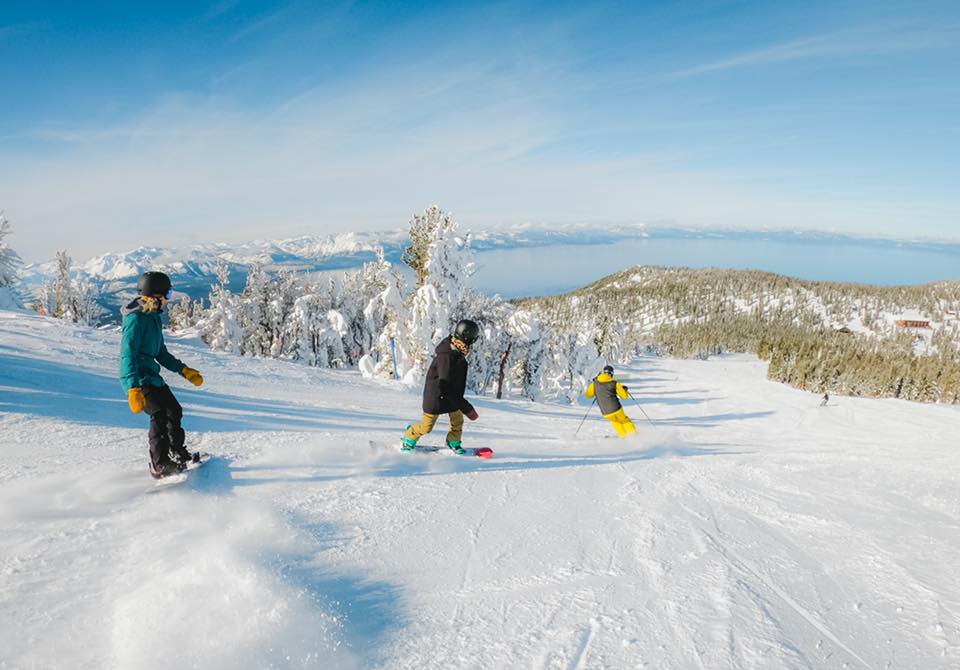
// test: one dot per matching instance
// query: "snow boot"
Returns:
(455, 447)
(408, 444)
(183, 456)
(165, 469)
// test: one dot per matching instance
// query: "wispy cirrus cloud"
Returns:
(501, 121)
(259, 24)
(871, 41)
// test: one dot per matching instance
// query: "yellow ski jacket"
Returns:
(607, 390)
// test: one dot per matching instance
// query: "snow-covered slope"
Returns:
(748, 529)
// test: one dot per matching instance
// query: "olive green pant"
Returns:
(417, 431)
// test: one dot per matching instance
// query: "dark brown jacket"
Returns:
(446, 381)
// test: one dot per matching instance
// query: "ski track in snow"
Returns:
(749, 529)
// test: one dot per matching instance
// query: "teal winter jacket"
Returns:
(142, 348)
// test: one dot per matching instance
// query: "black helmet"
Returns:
(608, 369)
(154, 283)
(467, 331)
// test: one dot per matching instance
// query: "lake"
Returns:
(555, 269)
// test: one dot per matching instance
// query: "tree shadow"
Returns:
(643, 379)
(711, 420)
(423, 465)
(212, 411)
(81, 396)
(658, 400)
(370, 612)
(88, 397)
(216, 478)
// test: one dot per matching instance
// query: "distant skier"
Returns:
(608, 393)
(826, 399)
(141, 349)
(444, 387)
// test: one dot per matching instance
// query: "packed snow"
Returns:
(746, 528)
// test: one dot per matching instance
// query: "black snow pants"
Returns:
(165, 412)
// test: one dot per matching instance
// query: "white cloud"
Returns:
(468, 132)
(871, 41)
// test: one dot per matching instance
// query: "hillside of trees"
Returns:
(817, 336)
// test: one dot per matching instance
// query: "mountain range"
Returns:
(192, 267)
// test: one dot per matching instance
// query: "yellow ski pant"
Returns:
(621, 423)
(417, 431)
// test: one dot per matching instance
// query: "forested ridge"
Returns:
(817, 336)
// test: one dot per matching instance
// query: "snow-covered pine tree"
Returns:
(427, 324)
(449, 263)
(74, 300)
(386, 314)
(257, 337)
(351, 301)
(533, 363)
(416, 254)
(372, 282)
(444, 270)
(63, 288)
(44, 302)
(221, 324)
(574, 363)
(487, 353)
(182, 313)
(85, 308)
(10, 265)
(279, 309)
(316, 334)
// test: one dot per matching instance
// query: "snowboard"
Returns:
(479, 452)
(171, 480)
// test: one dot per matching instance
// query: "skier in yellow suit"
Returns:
(608, 393)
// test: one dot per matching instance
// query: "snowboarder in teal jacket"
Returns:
(142, 352)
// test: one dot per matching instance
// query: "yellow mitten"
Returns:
(192, 376)
(136, 400)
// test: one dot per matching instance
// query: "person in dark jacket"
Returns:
(142, 352)
(444, 387)
(608, 393)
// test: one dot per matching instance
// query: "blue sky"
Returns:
(124, 124)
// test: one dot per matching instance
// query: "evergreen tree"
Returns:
(10, 265)
(257, 333)
(221, 327)
(63, 288)
(10, 262)
(442, 261)
(181, 314)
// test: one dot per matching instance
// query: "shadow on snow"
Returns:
(82, 396)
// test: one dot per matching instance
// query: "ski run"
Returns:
(748, 528)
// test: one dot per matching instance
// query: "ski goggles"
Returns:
(168, 295)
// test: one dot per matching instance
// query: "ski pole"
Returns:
(637, 402)
(585, 417)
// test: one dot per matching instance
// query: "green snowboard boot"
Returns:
(455, 447)
(408, 444)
